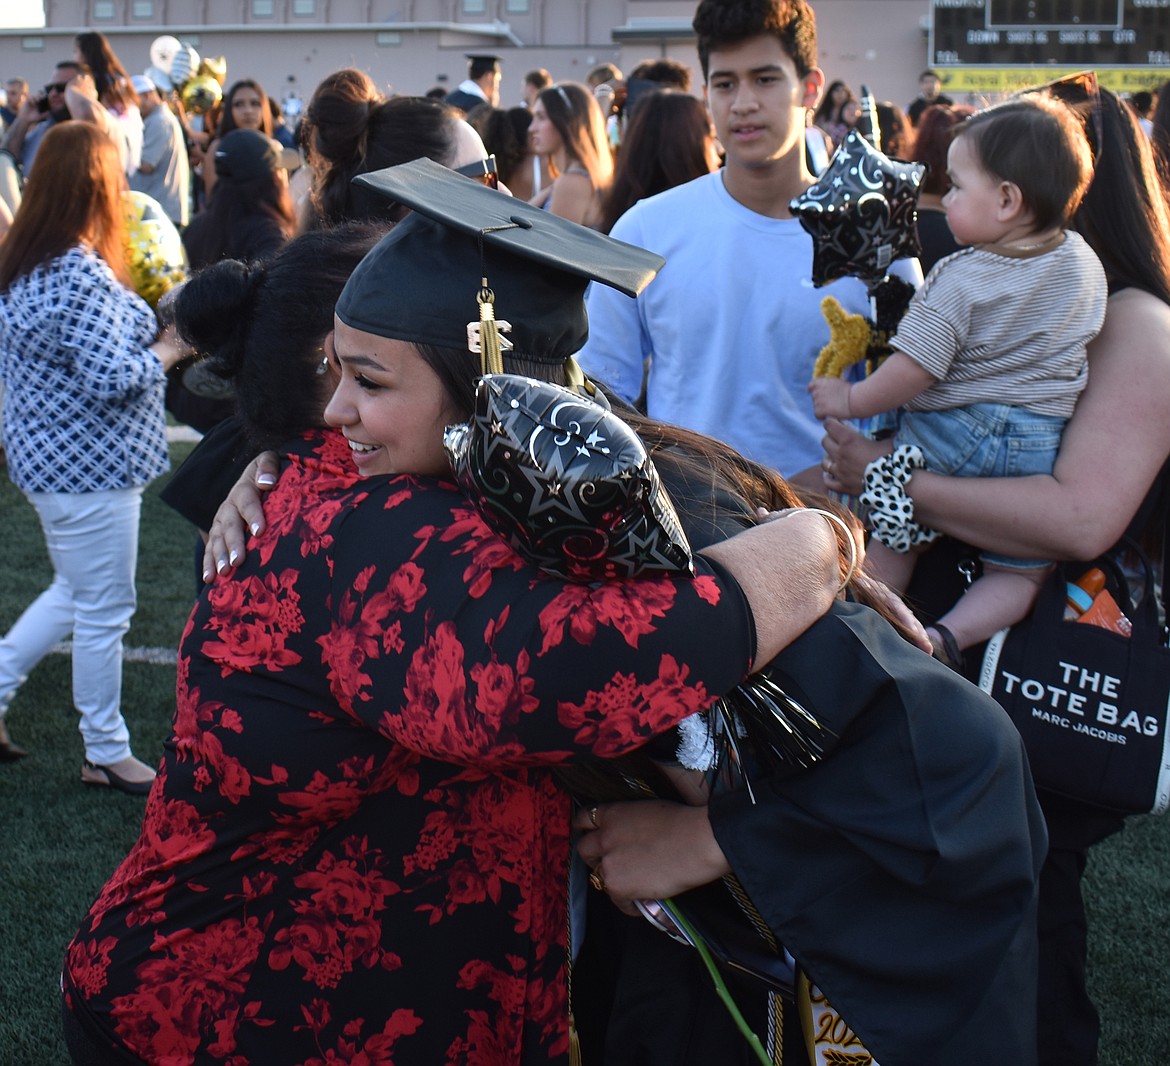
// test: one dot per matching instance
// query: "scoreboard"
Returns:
(1065, 33)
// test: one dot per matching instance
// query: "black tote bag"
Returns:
(1092, 706)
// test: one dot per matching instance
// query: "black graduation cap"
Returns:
(479, 65)
(421, 281)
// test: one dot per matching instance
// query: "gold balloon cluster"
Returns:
(199, 82)
(157, 260)
(204, 90)
(201, 94)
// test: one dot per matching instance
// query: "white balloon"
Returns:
(184, 65)
(160, 78)
(162, 52)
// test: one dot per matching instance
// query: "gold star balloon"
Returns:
(201, 94)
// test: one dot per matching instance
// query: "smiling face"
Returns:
(975, 199)
(758, 101)
(389, 404)
(247, 108)
(543, 137)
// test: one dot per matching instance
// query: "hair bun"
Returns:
(213, 310)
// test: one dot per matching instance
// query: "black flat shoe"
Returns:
(9, 752)
(131, 788)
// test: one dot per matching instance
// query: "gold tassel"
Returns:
(492, 343)
(574, 1043)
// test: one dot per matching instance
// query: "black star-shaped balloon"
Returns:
(862, 213)
(565, 481)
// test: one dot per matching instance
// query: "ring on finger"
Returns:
(593, 817)
(597, 881)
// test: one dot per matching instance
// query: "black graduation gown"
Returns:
(464, 101)
(901, 870)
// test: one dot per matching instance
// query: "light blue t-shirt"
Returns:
(731, 326)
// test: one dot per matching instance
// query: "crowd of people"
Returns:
(400, 750)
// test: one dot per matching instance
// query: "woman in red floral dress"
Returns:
(356, 850)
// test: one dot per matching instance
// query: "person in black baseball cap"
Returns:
(251, 214)
(246, 154)
(482, 85)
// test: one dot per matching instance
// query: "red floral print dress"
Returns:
(355, 851)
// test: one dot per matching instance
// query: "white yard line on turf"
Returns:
(155, 656)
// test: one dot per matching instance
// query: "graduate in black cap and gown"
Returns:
(899, 869)
(481, 86)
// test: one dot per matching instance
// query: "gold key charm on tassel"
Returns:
(485, 338)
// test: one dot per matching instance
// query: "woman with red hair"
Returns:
(83, 368)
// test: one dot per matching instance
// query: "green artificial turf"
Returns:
(60, 840)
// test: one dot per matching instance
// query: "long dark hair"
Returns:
(827, 111)
(113, 85)
(897, 133)
(227, 122)
(932, 142)
(504, 134)
(1160, 137)
(234, 202)
(576, 116)
(76, 195)
(263, 325)
(1124, 215)
(666, 144)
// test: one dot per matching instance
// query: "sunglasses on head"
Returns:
(56, 86)
(1082, 93)
(483, 171)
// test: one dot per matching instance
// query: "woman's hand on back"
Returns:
(240, 514)
(169, 349)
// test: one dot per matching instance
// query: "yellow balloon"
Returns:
(157, 260)
(216, 66)
(201, 94)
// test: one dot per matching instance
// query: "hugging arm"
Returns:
(487, 663)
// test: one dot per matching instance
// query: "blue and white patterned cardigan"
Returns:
(83, 400)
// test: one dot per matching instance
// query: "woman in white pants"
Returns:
(84, 430)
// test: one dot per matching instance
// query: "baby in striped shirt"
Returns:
(989, 358)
